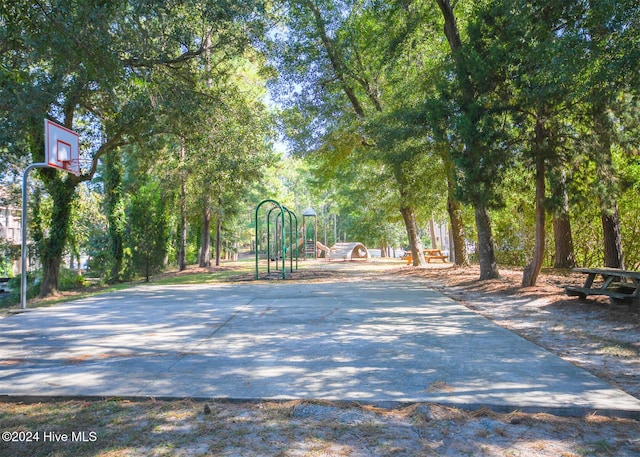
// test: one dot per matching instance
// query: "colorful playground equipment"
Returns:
(283, 242)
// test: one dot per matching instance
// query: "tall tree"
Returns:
(114, 205)
(98, 63)
(350, 75)
(479, 163)
(601, 26)
(182, 239)
(147, 233)
(535, 92)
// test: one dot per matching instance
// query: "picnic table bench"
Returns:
(429, 255)
(621, 286)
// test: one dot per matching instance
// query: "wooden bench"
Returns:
(429, 255)
(621, 286)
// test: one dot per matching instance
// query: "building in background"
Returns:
(10, 238)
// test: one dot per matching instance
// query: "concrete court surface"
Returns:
(374, 341)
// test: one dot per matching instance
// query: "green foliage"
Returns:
(97, 250)
(629, 166)
(514, 222)
(8, 252)
(13, 297)
(116, 217)
(147, 230)
(71, 280)
(383, 113)
(118, 73)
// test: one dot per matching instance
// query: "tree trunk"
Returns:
(563, 240)
(62, 192)
(486, 252)
(531, 271)
(432, 233)
(612, 238)
(205, 248)
(147, 267)
(218, 240)
(460, 256)
(608, 202)
(182, 252)
(51, 273)
(414, 236)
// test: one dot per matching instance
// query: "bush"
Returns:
(13, 296)
(71, 280)
(67, 280)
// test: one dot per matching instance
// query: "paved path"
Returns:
(377, 341)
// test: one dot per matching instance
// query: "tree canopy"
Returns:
(514, 123)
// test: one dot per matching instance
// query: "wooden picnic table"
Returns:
(621, 286)
(429, 255)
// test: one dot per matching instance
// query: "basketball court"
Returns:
(382, 342)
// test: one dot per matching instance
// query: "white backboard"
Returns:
(61, 147)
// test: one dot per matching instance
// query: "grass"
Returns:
(227, 273)
(66, 296)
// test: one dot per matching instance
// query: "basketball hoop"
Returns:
(61, 150)
(79, 165)
(61, 147)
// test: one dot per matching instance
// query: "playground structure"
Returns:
(319, 251)
(349, 251)
(280, 246)
(339, 251)
(310, 239)
(286, 242)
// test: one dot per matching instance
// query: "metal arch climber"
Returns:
(284, 250)
(280, 238)
(292, 217)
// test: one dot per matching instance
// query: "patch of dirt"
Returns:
(118, 428)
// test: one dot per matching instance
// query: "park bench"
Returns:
(3, 284)
(621, 286)
(429, 255)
